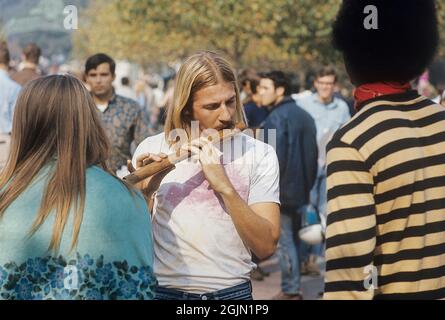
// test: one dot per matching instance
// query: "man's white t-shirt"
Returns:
(102, 107)
(197, 248)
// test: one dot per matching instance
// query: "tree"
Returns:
(225, 25)
(296, 27)
(106, 27)
(251, 33)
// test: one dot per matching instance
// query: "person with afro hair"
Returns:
(385, 236)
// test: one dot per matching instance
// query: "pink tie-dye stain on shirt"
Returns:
(196, 194)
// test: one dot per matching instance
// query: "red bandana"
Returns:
(372, 90)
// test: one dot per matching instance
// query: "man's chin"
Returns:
(326, 96)
(100, 94)
(268, 104)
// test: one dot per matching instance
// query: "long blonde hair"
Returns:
(55, 120)
(201, 70)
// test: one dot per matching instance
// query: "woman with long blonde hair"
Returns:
(69, 229)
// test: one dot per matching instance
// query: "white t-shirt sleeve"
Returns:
(155, 144)
(265, 181)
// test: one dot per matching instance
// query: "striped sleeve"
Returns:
(351, 224)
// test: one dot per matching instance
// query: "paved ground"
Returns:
(266, 289)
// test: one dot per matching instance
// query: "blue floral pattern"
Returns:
(84, 278)
(3, 276)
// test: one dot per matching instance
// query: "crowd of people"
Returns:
(370, 172)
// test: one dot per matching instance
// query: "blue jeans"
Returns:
(318, 193)
(289, 252)
(239, 292)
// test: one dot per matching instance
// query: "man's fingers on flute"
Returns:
(147, 158)
(188, 147)
(195, 151)
(209, 149)
(201, 142)
(195, 159)
(152, 158)
(130, 166)
(156, 157)
(142, 156)
(140, 159)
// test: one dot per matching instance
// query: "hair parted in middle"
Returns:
(199, 71)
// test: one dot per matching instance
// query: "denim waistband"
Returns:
(239, 292)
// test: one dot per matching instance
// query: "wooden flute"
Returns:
(169, 162)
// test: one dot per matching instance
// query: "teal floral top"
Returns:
(113, 258)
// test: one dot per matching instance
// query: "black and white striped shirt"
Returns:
(386, 201)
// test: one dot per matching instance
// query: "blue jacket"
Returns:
(296, 148)
(255, 115)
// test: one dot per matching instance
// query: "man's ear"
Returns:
(114, 77)
(280, 91)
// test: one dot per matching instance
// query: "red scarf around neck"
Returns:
(372, 90)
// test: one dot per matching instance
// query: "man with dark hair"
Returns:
(101, 58)
(386, 166)
(31, 57)
(9, 91)
(122, 118)
(296, 148)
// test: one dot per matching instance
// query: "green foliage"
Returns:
(253, 33)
